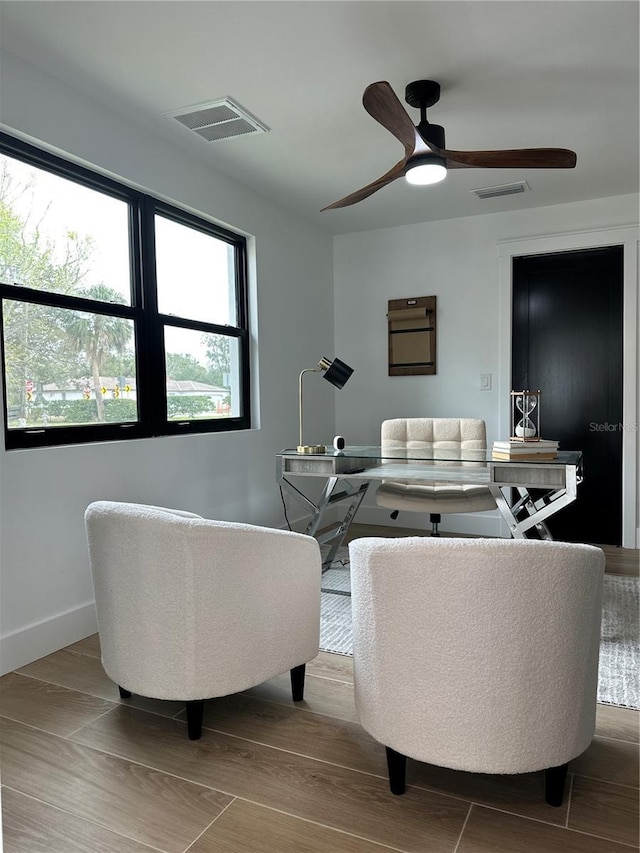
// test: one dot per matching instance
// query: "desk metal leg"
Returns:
(350, 491)
(534, 513)
(533, 509)
(527, 512)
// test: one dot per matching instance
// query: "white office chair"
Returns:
(449, 437)
(189, 609)
(477, 654)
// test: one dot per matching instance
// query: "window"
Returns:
(121, 316)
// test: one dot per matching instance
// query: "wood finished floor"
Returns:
(85, 772)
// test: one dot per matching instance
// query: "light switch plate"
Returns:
(485, 382)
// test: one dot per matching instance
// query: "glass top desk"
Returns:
(349, 472)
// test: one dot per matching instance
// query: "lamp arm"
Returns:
(302, 372)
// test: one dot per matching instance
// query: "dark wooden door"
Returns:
(567, 342)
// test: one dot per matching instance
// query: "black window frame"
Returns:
(148, 323)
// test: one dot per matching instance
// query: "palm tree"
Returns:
(98, 335)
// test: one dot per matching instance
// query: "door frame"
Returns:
(629, 238)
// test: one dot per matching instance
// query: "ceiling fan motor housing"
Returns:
(433, 133)
(422, 94)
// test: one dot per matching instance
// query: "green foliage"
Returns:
(51, 345)
(120, 365)
(116, 410)
(26, 258)
(97, 335)
(67, 412)
(120, 411)
(183, 366)
(36, 349)
(189, 406)
(83, 412)
(219, 358)
(35, 346)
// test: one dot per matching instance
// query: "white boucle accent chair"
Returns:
(477, 654)
(443, 436)
(189, 609)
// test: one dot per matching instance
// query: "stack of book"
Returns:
(514, 449)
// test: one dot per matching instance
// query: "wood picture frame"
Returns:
(412, 336)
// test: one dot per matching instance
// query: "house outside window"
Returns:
(121, 316)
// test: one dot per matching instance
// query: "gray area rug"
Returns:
(619, 672)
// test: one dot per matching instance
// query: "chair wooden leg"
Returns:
(195, 712)
(554, 780)
(397, 765)
(297, 682)
(124, 694)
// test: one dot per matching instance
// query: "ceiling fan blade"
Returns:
(382, 104)
(519, 158)
(396, 172)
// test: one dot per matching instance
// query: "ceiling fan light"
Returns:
(426, 170)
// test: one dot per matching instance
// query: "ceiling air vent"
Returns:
(503, 189)
(221, 119)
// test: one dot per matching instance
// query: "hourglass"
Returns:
(525, 415)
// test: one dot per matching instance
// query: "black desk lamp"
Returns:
(337, 373)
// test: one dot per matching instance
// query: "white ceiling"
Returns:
(527, 73)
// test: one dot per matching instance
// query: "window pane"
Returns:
(59, 236)
(203, 375)
(195, 272)
(66, 367)
(69, 233)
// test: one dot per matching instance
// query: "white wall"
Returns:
(45, 587)
(458, 261)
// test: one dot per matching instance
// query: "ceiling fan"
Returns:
(426, 160)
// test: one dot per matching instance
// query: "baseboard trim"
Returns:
(27, 644)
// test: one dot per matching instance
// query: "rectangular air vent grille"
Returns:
(503, 189)
(221, 119)
(202, 118)
(225, 130)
